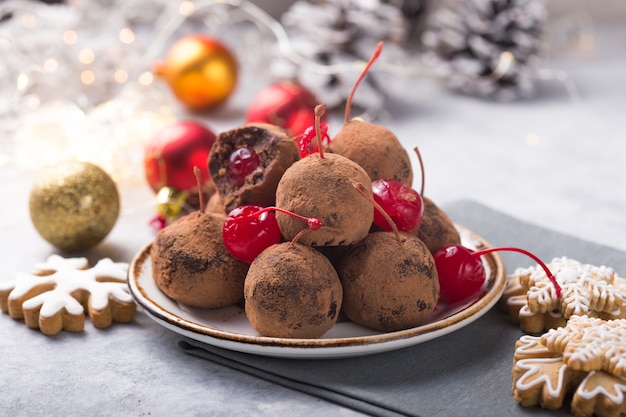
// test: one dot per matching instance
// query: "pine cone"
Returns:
(414, 12)
(487, 48)
(330, 32)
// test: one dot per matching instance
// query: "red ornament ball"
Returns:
(172, 154)
(286, 104)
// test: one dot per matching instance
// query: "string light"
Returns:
(70, 37)
(146, 78)
(127, 36)
(186, 8)
(532, 139)
(29, 21)
(121, 76)
(50, 65)
(86, 56)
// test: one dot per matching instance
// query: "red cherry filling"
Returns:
(241, 163)
(246, 234)
(403, 204)
(462, 274)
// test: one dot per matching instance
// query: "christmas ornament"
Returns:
(286, 104)
(487, 48)
(74, 205)
(336, 32)
(169, 161)
(200, 71)
(55, 296)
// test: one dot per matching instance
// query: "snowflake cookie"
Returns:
(530, 298)
(56, 296)
(586, 358)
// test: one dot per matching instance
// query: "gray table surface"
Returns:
(572, 180)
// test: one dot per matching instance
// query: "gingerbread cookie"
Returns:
(530, 298)
(586, 358)
(56, 295)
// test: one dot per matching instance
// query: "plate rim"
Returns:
(321, 347)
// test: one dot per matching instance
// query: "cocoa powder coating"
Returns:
(436, 229)
(389, 285)
(292, 291)
(215, 205)
(376, 149)
(325, 188)
(276, 151)
(191, 265)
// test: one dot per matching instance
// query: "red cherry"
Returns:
(462, 274)
(402, 203)
(305, 143)
(249, 230)
(247, 234)
(242, 162)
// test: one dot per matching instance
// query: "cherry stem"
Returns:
(419, 158)
(363, 191)
(320, 109)
(196, 172)
(551, 276)
(313, 223)
(374, 57)
(297, 237)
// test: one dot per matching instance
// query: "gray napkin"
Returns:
(465, 373)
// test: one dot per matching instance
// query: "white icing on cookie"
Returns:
(106, 279)
(589, 343)
(534, 374)
(59, 263)
(586, 289)
(594, 385)
(531, 347)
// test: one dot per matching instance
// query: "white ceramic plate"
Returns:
(229, 328)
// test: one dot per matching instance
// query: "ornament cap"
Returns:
(170, 202)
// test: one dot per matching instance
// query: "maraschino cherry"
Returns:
(462, 274)
(305, 141)
(402, 203)
(249, 230)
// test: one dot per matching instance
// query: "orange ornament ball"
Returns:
(200, 71)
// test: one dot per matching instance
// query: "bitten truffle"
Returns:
(436, 229)
(389, 285)
(191, 265)
(292, 291)
(275, 150)
(324, 188)
(376, 149)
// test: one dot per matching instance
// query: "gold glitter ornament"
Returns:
(74, 205)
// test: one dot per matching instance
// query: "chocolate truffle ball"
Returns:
(324, 188)
(292, 291)
(436, 229)
(191, 265)
(271, 149)
(376, 149)
(215, 205)
(389, 285)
